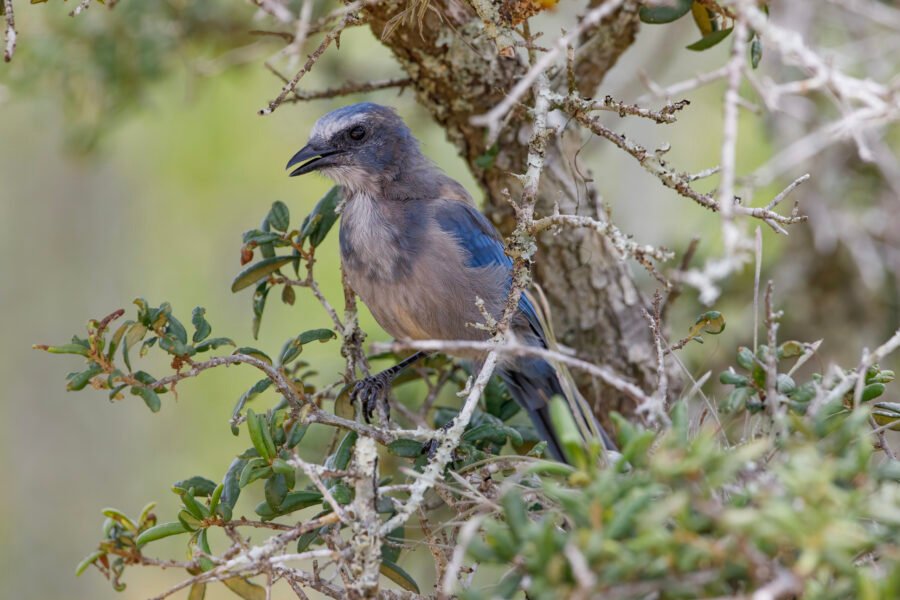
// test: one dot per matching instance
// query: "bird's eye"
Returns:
(357, 133)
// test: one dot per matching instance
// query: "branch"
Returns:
(494, 118)
(351, 87)
(82, 6)
(655, 165)
(333, 35)
(513, 348)
(10, 30)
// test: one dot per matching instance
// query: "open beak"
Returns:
(310, 158)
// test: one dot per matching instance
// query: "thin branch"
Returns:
(513, 348)
(665, 115)
(333, 35)
(351, 87)
(10, 30)
(82, 6)
(654, 164)
(494, 118)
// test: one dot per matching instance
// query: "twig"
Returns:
(82, 6)
(495, 116)
(655, 408)
(331, 36)
(664, 115)
(602, 373)
(10, 30)
(654, 164)
(351, 87)
(731, 235)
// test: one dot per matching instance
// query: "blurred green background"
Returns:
(132, 159)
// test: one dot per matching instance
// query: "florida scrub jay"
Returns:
(417, 251)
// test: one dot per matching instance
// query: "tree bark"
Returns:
(455, 58)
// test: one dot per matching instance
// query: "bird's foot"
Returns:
(430, 447)
(370, 392)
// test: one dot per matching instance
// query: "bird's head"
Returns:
(356, 146)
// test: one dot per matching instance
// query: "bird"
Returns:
(418, 253)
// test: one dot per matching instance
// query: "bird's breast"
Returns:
(412, 275)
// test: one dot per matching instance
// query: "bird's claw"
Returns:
(430, 447)
(369, 392)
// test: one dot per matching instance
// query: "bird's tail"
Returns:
(533, 382)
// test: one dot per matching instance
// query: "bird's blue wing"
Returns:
(482, 244)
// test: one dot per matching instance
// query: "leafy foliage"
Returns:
(682, 515)
(694, 509)
(710, 18)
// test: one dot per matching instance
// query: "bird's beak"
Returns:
(311, 159)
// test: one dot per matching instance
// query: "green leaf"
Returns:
(257, 468)
(267, 249)
(567, 431)
(257, 271)
(732, 378)
(279, 216)
(245, 589)
(399, 576)
(790, 349)
(88, 561)
(299, 500)
(872, 391)
(342, 493)
(745, 358)
(213, 343)
(176, 329)
(231, 489)
(200, 485)
(708, 41)
(486, 160)
(292, 348)
(319, 222)
(202, 328)
(259, 237)
(255, 427)
(785, 384)
(78, 381)
(405, 448)
(515, 513)
(887, 414)
(150, 398)
(64, 349)
(160, 531)
(281, 466)
(257, 354)
(391, 551)
(341, 457)
(295, 435)
(485, 431)
(275, 491)
(134, 335)
(117, 339)
(666, 13)
(120, 518)
(259, 305)
(145, 513)
(216, 498)
(267, 437)
(711, 322)
(197, 591)
(756, 50)
(258, 388)
(195, 508)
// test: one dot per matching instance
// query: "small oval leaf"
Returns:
(257, 271)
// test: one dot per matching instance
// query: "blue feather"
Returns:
(483, 246)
